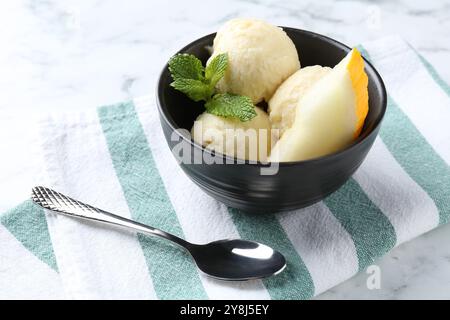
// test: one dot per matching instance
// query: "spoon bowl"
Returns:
(237, 259)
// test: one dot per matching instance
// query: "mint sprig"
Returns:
(194, 89)
(224, 105)
(186, 66)
(215, 70)
(198, 83)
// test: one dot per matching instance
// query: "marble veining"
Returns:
(72, 55)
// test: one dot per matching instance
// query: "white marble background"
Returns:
(60, 55)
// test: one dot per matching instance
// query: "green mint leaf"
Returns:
(194, 89)
(215, 70)
(231, 106)
(186, 66)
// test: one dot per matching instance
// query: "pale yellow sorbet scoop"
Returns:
(284, 102)
(261, 56)
(250, 140)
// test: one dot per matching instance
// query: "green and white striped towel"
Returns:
(117, 159)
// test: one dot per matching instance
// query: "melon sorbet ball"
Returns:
(261, 56)
(245, 140)
(285, 101)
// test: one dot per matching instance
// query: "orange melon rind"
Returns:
(360, 82)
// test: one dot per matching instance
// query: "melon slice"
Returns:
(331, 116)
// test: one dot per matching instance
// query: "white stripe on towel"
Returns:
(323, 244)
(95, 261)
(407, 81)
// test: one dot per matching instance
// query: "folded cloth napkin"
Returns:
(116, 158)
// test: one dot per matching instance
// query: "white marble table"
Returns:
(60, 55)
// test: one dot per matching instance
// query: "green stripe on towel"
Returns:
(293, 283)
(434, 74)
(371, 231)
(417, 157)
(173, 271)
(27, 224)
(432, 71)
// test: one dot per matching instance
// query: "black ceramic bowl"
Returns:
(297, 184)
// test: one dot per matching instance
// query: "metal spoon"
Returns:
(223, 259)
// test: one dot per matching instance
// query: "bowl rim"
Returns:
(328, 157)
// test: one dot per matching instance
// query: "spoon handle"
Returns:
(59, 203)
